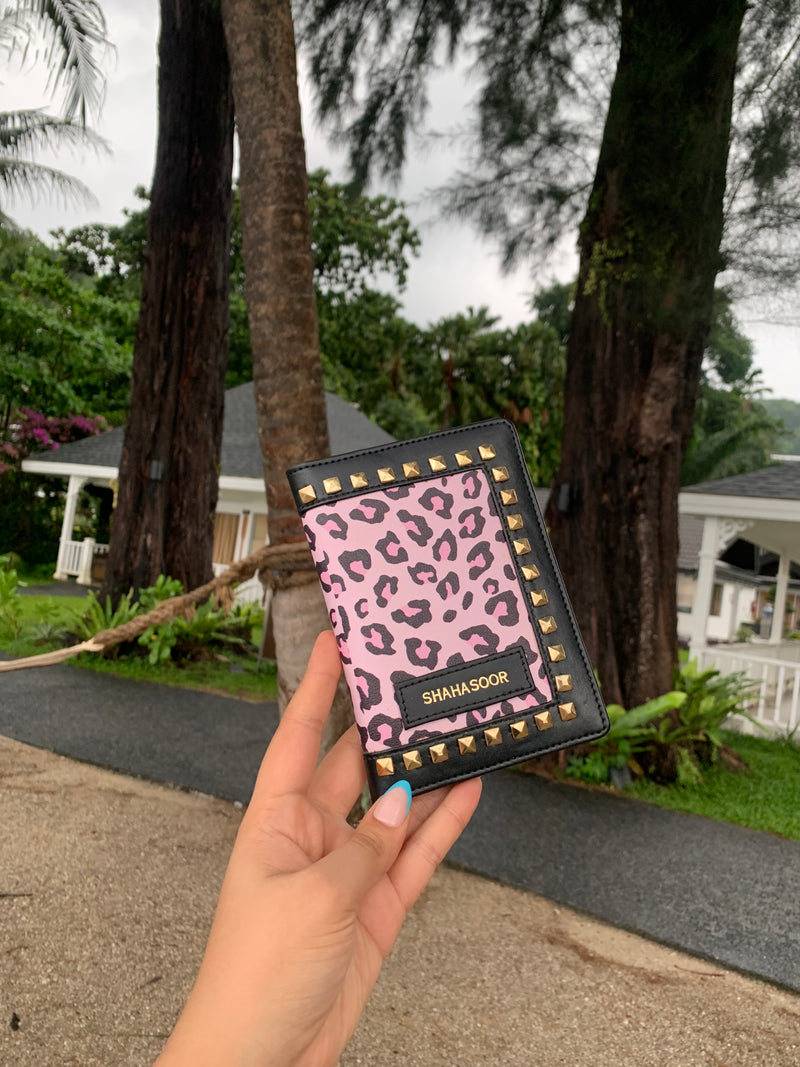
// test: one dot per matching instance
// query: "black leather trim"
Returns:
(565, 641)
(416, 711)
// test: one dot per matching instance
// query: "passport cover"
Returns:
(458, 642)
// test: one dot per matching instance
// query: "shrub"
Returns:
(670, 738)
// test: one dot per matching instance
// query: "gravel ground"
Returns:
(107, 886)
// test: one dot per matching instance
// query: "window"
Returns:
(716, 599)
(226, 528)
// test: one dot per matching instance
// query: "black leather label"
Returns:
(464, 687)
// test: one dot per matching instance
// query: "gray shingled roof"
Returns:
(780, 482)
(241, 456)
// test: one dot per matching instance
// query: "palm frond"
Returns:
(20, 177)
(75, 33)
(26, 131)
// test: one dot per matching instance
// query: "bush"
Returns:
(202, 632)
(10, 600)
(205, 631)
(670, 738)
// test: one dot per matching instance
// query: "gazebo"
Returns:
(763, 509)
(241, 518)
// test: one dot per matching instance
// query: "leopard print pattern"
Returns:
(418, 577)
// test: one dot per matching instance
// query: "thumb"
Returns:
(356, 866)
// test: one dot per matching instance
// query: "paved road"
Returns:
(706, 887)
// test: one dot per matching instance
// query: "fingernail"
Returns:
(393, 806)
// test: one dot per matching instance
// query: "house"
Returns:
(749, 543)
(740, 537)
(241, 518)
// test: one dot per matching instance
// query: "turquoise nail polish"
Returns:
(392, 808)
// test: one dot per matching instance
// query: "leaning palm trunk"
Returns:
(276, 234)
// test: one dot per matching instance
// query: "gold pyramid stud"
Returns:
(522, 546)
(438, 753)
(563, 683)
(385, 474)
(519, 730)
(359, 481)
(544, 720)
(412, 760)
(332, 485)
(466, 745)
(548, 625)
(530, 573)
(411, 470)
(493, 736)
(437, 463)
(538, 597)
(307, 494)
(556, 653)
(487, 451)
(508, 496)
(567, 712)
(384, 766)
(463, 459)
(514, 522)
(500, 474)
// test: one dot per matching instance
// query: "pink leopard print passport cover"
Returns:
(459, 644)
(418, 578)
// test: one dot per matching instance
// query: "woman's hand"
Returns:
(309, 907)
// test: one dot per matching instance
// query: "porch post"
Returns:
(76, 483)
(705, 585)
(776, 633)
(87, 558)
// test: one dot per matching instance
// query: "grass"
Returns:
(239, 676)
(233, 674)
(768, 799)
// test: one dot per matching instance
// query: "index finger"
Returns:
(291, 758)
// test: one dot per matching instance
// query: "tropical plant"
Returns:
(672, 737)
(10, 600)
(201, 633)
(74, 34)
(100, 615)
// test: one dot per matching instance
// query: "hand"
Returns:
(310, 908)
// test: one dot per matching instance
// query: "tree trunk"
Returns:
(649, 254)
(164, 521)
(276, 241)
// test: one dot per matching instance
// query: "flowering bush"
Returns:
(33, 431)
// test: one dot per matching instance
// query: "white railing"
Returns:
(775, 699)
(75, 559)
(246, 592)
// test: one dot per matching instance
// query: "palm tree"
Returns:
(276, 234)
(74, 36)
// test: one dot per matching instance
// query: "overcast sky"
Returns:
(455, 269)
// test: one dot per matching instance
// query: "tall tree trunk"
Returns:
(649, 254)
(164, 521)
(276, 242)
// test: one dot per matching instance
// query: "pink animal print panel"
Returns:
(419, 577)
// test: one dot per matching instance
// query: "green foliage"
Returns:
(541, 78)
(196, 634)
(788, 413)
(164, 589)
(64, 348)
(98, 615)
(672, 737)
(206, 629)
(10, 600)
(766, 799)
(733, 431)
